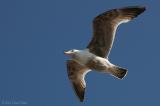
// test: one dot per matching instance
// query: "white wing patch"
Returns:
(120, 22)
(83, 76)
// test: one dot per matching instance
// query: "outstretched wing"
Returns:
(105, 25)
(76, 74)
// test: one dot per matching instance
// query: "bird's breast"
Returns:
(83, 57)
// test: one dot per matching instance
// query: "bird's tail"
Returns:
(118, 72)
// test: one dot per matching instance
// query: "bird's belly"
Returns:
(98, 63)
(82, 59)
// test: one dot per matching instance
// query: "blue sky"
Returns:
(34, 34)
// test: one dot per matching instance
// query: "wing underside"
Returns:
(76, 74)
(105, 25)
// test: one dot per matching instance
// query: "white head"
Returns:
(81, 56)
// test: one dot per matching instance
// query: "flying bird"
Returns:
(95, 55)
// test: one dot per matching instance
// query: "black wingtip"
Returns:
(81, 98)
(80, 92)
(136, 7)
(132, 11)
(143, 8)
(140, 9)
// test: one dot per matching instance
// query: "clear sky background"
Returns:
(34, 34)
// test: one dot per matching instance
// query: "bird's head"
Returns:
(71, 52)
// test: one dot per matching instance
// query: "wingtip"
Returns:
(140, 10)
(79, 91)
(132, 11)
(143, 8)
(81, 100)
